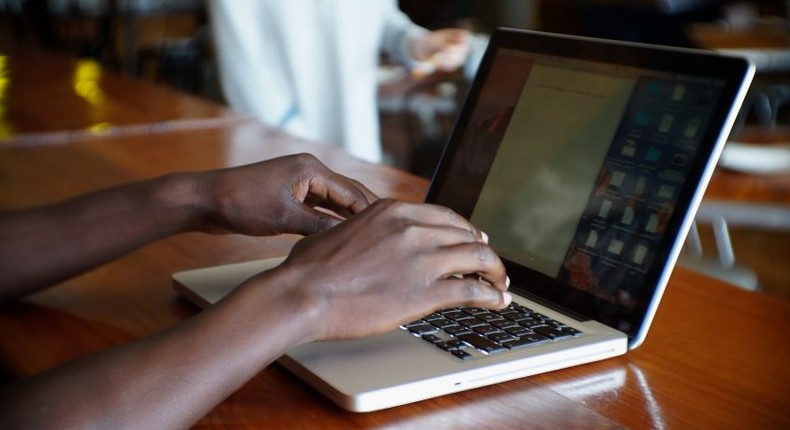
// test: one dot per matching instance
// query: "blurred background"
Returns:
(169, 43)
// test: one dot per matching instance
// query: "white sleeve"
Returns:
(250, 76)
(399, 32)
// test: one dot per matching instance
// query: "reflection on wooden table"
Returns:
(52, 98)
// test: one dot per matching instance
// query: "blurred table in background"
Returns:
(48, 97)
(163, 40)
(744, 219)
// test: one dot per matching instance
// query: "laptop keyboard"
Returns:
(461, 330)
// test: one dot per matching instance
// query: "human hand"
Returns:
(391, 264)
(279, 196)
(445, 49)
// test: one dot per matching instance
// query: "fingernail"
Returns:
(485, 236)
(507, 298)
(507, 281)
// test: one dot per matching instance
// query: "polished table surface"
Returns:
(51, 98)
(716, 356)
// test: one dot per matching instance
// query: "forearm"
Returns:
(169, 380)
(39, 247)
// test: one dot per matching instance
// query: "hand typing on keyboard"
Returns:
(393, 263)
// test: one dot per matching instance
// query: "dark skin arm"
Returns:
(263, 199)
(183, 372)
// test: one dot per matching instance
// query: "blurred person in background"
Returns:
(310, 66)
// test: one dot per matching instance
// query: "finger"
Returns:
(305, 220)
(327, 206)
(427, 215)
(434, 239)
(473, 258)
(340, 194)
(371, 196)
(345, 212)
(468, 292)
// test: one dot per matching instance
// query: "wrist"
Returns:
(294, 315)
(181, 195)
(308, 305)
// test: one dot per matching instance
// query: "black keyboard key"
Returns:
(486, 330)
(475, 311)
(456, 315)
(431, 338)
(522, 309)
(463, 355)
(452, 345)
(501, 337)
(517, 317)
(421, 329)
(555, 324)
(442, 323)
(455, 331)
(530, 339)
(433, 316)
(551, 332)
(505, 313)
(519, 331)
(571, 331)
(530, 323)
(488, 317)
(481, 343)
(504, 324)
(471, 322)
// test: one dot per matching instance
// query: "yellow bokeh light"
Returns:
(99, 128)
(6, 129)
(86, 81)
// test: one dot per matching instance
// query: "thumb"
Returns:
(305, 220)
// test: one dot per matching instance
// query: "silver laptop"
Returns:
(584, 160)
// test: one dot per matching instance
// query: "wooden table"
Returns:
(716, 357)
(50, 98)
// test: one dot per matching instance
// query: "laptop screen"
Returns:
(581, 167)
